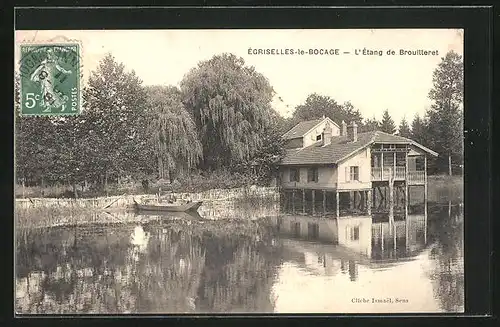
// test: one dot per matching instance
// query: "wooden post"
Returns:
(382, 165)
(407, 230)
(425, 222)
(382, 235)
(303, 201)
(449, 165)
(351, 200)
(394, 163)
(407, 194)
(324, 201)
(313, 201)
(425, 179)
(337, 201)
(391, 200)
(293, 201)
(369, 202)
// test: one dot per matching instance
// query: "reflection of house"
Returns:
(354, 238)
(325, 162)
(353, 233)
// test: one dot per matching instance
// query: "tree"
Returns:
(404, 128)
(231, 107)
(387, 124)
(419, 130)
(370, 125)
(445, 116)
(172, 132)
(114, 111)
(316, 106)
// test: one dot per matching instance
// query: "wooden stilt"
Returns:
(369, 202)
(407, 231)
(382, 236)
(324, 201)
(337, 201)
(425, 222)
(407, 194)
(313, 201)
(382, 165)
(391, 200)
(425, 179)
(303, 201)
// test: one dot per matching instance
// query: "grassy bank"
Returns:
(441, 188)
(185, 184)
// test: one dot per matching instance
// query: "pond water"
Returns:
(265, 262)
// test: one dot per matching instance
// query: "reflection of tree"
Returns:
(238, 275)
(447, 273)
(93, 270)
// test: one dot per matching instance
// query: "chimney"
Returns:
(344, 128)
(352, 132)
(327, 135)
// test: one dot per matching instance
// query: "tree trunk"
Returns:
(106, 182)
(75, 191)
(160, 167)
(449, 165)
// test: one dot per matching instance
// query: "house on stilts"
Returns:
(334, 170)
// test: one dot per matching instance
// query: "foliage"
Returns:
(317, 106)
(231, 106)
(387, 124)
(404, 128)
(115, 104)
(370, 125)
(173, 132)
(419, 130)
(445, 116)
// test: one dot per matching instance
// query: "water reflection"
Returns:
(173, 263)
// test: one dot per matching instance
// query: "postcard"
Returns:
(239, 171)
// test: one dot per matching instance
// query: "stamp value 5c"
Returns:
(50, 79)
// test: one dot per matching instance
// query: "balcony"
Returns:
(415, 177)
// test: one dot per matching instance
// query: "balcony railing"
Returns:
(414, 177)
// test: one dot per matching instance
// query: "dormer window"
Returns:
(318, 138)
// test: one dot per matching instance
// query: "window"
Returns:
(295, 227)
(318, 138)
(294, 175)
(354, 233)
(353, 173)
(312, 175)
(312, 231)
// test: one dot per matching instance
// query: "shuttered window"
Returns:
(312, 175)
(294, 175)
(352, 173)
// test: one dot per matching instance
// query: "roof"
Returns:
(341, 148)
(301, 129)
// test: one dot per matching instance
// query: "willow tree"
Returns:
(173, 132)
(231, 106)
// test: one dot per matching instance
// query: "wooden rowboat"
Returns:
(191, 206)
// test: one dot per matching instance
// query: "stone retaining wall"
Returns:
(127, 200)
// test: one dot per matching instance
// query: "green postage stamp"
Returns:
(50, 79)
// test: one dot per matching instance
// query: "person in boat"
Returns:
(172, 199)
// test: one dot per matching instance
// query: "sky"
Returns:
(372, 83)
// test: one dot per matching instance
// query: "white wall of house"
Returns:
(361, 159)
(327, 178)
(310, 137)
(360, 241)
(327, 227)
